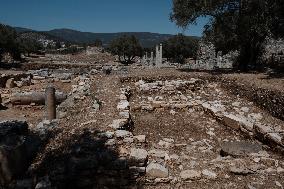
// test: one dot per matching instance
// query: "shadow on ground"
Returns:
(86, 162)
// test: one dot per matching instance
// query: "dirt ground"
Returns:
(191, 129)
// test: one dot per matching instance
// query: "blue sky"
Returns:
(94, 15)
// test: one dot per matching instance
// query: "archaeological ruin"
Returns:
(70, 124)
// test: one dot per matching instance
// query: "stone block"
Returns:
(155, 170)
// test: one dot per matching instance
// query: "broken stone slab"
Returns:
(187, 175)
(267, 134)
(158, 153)
(123, 97)
(122, 134)
(237, 122)
(276, 138)
(119, 123)
(45, 127)
(138, 156)
(140, 138)
(241, 170)
(107, 134)
(124, 114)
(44, 183)
(128, 140)
(239, 149)
(166, 143)
(156, 170)
(139, 170)
(209, 174)
(10, 83)
(123, 105)
(147, 107)
(110, 142)
(26, 98)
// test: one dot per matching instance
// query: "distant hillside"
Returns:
(146, 39)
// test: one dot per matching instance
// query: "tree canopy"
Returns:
(8, 41)
(11, 43)
(235, 24)
(126, 47)
(180, 47)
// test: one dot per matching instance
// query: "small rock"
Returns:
(156, 170)
(10, 83)
(122, 134)
(278, 184)
(123, 97)
(110, 142)
(140, 138)
(123, 105)
(118, 123)
(138, 155)
(124, 114)
(280, 170)
(190, 175)
(157, 153)
(240, 170)
(128, 140)
(237, 149)
(44, 184)
(209, 174)
(165, 144)
(163, 180)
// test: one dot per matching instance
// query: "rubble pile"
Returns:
(18, 147)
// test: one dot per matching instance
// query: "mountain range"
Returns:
(147, 39)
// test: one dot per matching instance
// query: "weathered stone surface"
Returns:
(122, 134)
(123, 97)
(237, 149)
(166, 143)
(107, 134)
(138, 156)
(276, 138)
(240, 170)
(118, 123)
(140, 170)
(124, 114)
(156, 170)
(209, 174)
(44, 184)
(147, 107)
(157, 153)
(10, 83)
(128, 140)
(190, 175)
(236, 122)
(123, 105)
(110, 142)
(140, 138)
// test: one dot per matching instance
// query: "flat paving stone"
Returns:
(241, 148)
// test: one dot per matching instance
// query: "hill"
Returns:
(146, 39)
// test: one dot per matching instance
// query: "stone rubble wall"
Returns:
(269, 100)
(266, 133)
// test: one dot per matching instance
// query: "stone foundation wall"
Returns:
(271, 101)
